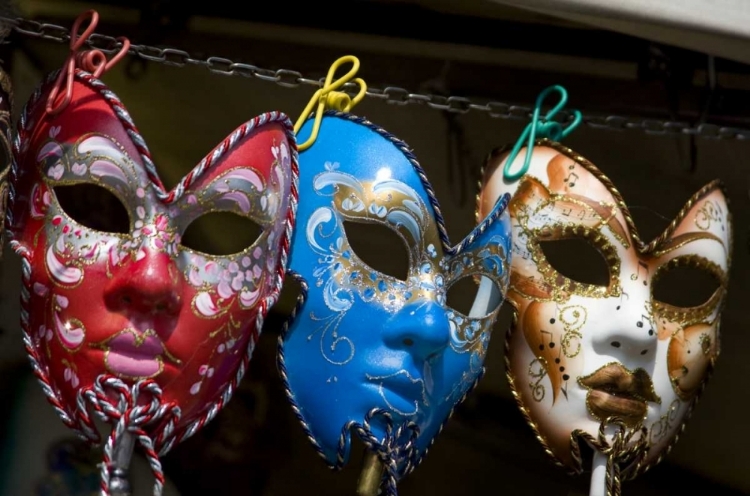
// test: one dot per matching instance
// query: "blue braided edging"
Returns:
(499, 209)
(391, 451)
(281, 366)
(344, 440)
(168, 438)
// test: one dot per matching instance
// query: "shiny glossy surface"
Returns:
(581, 354)
(138, 304)
(364, 339)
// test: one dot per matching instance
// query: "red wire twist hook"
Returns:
(93, 61)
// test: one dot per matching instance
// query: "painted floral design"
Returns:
(141, 305)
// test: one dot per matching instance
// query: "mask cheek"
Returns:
(555, 343)
(690, 354)
(68, 250)
(39, 202)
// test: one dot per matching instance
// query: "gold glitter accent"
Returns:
(572, 462)
(537, 375)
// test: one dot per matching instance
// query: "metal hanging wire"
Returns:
(391, 94)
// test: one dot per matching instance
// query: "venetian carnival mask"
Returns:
(136, 306)
(583, 356)
(369, 353)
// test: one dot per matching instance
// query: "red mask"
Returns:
(109, 316)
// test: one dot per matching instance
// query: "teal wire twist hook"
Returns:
(542, 127)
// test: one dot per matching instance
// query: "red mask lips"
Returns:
(614, 391)
(134, 354)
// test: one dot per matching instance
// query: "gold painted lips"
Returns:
(614, 391)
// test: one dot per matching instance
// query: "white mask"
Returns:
(579, 355)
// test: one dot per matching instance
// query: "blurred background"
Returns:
(485, 51)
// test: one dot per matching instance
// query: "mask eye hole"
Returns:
(93, 206)
(685, 284)
(473, 299)
(578, 259)
(220, 233)
(379, 247)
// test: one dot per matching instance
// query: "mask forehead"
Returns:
(704, 226)
(557, 173)
(570, 339)
(363, 340)
(372, 182)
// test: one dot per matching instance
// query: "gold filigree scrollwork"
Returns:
(573, 317)
(537, 373)
(709, 212)
(664, 425)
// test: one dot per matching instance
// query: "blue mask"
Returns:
(365, 352)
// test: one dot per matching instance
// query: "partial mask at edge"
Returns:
(6, 150)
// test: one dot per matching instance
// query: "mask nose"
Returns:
(627, 332)
(422, 329)
(149, 286)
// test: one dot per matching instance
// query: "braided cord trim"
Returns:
(161, 438)
(391, 454)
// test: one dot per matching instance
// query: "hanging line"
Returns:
(540, 127)
(288, 78)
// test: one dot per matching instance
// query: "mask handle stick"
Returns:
(119, 483)
(598, 486)
(371, 475)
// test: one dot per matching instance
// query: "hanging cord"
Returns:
(136, 412)
(622, 450)
(93, 61)
(396, 450)
(540, 127)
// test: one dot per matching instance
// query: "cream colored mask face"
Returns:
(580, 356)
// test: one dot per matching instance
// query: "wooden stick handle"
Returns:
(371, 475)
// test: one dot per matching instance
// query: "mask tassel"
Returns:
(138, 414)
(119, 452)
(386, 460)
(610, 456)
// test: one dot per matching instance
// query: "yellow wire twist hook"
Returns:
(328, 98)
